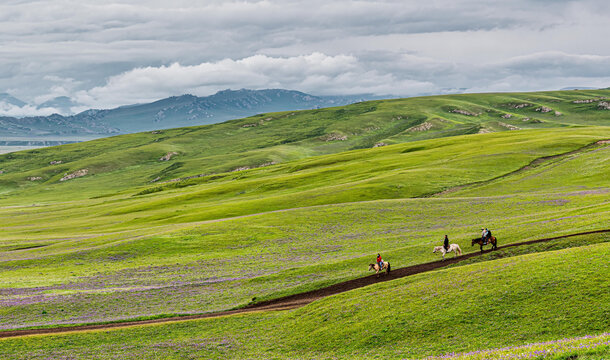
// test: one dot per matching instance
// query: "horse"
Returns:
(492, 240)
(453, 247)
(386, 267)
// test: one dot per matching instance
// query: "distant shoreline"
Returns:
(13, 144)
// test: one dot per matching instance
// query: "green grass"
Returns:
(91, 280)
(587, 171)
(399, 171)
(129, 256)
(508, 302)
(121, 162)
(113, 245)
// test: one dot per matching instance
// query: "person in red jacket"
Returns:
(379, 261)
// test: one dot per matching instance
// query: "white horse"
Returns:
(453, 247)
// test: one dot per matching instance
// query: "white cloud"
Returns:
(120, 52)
(318, 73)
(26, 110)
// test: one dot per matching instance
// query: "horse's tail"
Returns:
(459, 251)
(389, 268)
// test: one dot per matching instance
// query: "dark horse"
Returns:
(492, 240)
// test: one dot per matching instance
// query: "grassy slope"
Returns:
(508, 302)
(399, 171)
(109, 253)
(572, 173)
(121, 162)
(103, 270)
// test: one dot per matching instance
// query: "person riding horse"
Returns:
(485, 235)
(379, 261)
(446, 243)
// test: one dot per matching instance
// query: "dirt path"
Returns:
(292, 301)
(534, 164)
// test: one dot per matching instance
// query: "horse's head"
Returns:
(371, 267)
(474, 241)
(435, 249)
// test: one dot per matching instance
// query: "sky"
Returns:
(104, 54)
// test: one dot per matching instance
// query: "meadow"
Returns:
(489, 310)
(123, 242)
(121, 163)
(166, 252)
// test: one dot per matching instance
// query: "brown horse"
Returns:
(386, 267)
(492, 240)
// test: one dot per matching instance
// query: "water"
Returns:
(8, 149)
(12, 144)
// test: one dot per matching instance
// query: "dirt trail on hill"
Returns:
(292, 301)
(532, 165)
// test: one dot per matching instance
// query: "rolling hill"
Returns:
(134, 160)
(465, 310)
(282, 203)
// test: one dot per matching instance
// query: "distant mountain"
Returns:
(175, 111)
(579, 88)
(11, 100)
(62, 103)
(188, 110)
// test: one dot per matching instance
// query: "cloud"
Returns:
(556, 63)
(26, 110)
(318, 73)
(120, 52)
(321, 74)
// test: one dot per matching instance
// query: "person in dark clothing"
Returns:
(446, 243)
(485, 235)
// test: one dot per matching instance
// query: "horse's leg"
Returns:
(481, 248)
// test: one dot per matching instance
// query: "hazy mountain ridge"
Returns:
(11, 100)
(175, 111)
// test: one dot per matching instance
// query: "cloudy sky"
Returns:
(109, 53)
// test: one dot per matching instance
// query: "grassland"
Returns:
(113, 245)
(505, 303)
(122, 162)
(163, 253)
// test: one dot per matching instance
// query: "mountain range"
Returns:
(175, 111)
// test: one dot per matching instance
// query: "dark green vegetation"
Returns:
(113, 245)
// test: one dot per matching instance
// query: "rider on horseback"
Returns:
(485, 235)
(446, 243)
(379, 261)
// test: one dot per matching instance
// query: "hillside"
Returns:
(283, 203)
(466, 309)
(276, 138)
(163, 245)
